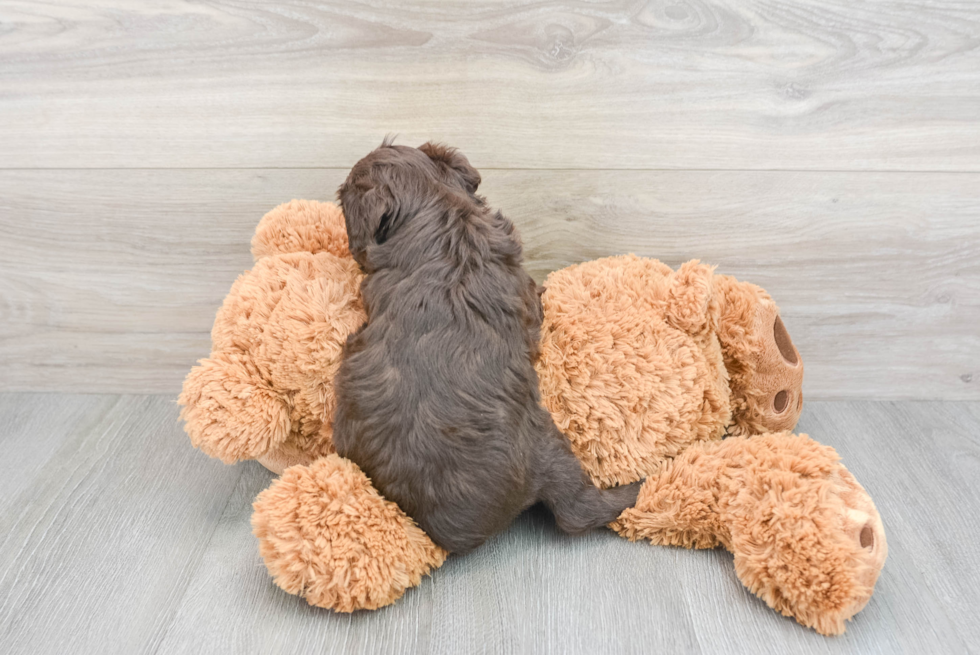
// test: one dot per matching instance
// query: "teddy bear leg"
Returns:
(806, 536)
(328, 536)
(765, 368)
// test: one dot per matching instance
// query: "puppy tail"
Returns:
(567, 490)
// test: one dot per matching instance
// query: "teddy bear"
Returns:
(685, 378)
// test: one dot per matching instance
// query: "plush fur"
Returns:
(806, 537)
(380, 550)
(437, 397)
(639, 361)
(644, 368)
(630, 366)
(266, 391)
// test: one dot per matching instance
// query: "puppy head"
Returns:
(393, 183)
(454, 167)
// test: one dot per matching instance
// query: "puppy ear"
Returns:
(368, 214)
(454, 163)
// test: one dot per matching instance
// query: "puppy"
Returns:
(437, 396)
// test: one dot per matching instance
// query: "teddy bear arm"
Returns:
(328, 536)
(230, 413)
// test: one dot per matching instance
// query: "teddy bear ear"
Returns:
(689, 298)
(301, 226)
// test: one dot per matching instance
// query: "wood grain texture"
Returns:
(120, 538)
(104, 516)
(109, 280)
(703, 84)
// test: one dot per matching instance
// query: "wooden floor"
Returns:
(117, 536)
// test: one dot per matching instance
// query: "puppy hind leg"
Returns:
(567, 490)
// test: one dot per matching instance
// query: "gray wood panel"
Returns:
(104, 516)
(759, 84)
(109, 280)
(121, 538)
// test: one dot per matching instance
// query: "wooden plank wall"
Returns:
(827, 150)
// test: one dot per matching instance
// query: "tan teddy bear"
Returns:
(645, 370)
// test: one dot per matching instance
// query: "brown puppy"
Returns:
(437, 397)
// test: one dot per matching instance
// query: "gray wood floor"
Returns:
(828, 150)
(117, 536)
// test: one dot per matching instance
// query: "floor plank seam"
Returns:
(192, 574)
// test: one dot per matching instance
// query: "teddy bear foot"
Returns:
(807, 538)
(327, 535)
(765, 368)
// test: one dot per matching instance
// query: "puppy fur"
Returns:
(437, 396)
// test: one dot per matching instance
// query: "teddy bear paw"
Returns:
(807, 537)
(327, 535)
